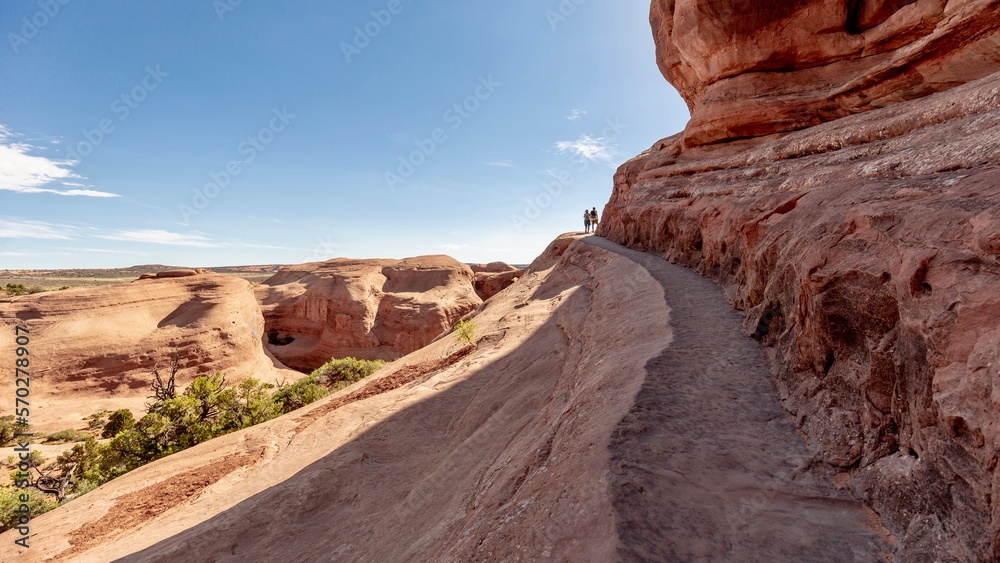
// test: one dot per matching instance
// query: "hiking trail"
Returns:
(707, 465)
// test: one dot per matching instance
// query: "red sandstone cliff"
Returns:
(752, 68)
(864, 250)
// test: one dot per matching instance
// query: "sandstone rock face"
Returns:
(748, 68)
(866, 254)
(93, 348)
(494, 277)
(372, 309)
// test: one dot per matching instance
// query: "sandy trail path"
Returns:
(707, 465)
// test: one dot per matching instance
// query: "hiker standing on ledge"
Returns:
(593, 218)
(586, 221)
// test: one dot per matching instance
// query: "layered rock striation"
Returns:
(866, 255)
(750, 68)
(372, 309)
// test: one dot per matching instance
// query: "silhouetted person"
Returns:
(586, 221)
(593, 218)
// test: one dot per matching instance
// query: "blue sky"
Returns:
(225, 132)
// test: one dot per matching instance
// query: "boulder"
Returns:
(180, 273)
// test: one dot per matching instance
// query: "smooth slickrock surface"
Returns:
(866, 253)
(371, 309)
(749, 68)
(94, 348)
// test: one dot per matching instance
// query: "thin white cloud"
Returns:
(18, 228)
(453, 247)
(154, 236)
(87, 193)
(500, 163)
(588, 148)
(22, 228)
(577, 114)
(26, 173)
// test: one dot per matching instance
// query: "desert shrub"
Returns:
(211, 394)
(96, 420)
(16, 289)
(81, 488)
(247, 404)
(208, 408)
(335, 374)
(345, 371)
(35, 457)
(9, 429)
(176, 425)
(68, 435)
(465, 331)
(299, 394)
(119, 421)
(38, 503)
(164, 389)
(94, 463)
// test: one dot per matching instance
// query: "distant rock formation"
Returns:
(177, 273)
(864, 250)
(94, 348)
(494, 277)
(492, 268)
(372, 309)
(749, 68)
